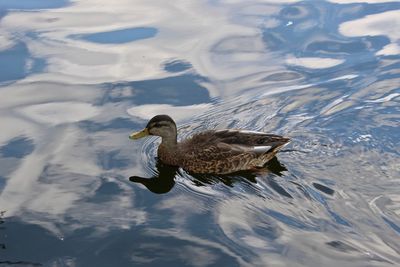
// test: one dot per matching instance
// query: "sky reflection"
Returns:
(118, 36)
(382, 24)
(77, 77)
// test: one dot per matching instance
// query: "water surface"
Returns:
(78, 77)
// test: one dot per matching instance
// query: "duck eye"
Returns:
(157, 125)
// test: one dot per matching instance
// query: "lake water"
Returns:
(77, 77)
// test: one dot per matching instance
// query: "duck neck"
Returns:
(168, 151)
(169, 142)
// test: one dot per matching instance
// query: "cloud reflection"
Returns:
(57, 178)
(314, 62)
(60, 112)
(179, 113)
(385, 24)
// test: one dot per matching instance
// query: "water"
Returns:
(78, 77)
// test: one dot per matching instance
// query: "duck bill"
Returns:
(137, 135)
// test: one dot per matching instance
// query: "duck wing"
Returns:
(227, 151)
(259, 142)
(228, 143)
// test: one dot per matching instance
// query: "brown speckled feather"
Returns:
(228, 151)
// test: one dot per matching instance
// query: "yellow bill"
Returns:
(137, 135)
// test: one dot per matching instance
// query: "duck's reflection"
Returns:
(161, 183)
(164, 181)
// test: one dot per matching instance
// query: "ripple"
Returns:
(324, 189)
(177, 66)
(382, 205)
(148, 154)
(283, 76)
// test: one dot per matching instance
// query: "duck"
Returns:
(212, 151)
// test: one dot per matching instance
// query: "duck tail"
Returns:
(278, 144)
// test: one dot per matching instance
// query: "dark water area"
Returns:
(77, 77)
